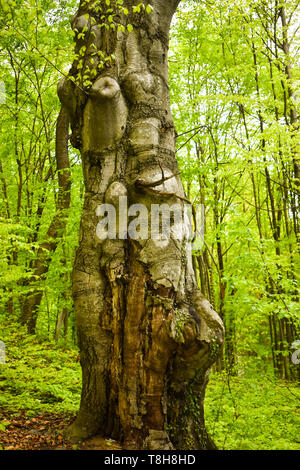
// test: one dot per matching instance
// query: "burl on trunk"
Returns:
(147, 336)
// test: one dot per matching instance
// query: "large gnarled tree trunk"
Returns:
(147, 336)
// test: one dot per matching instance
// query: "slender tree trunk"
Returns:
(294, 118)
(62, 321)
(41, 265)
(147, 336)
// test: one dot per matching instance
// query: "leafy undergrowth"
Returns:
(38, 376)
(40, 393)
(256, 412)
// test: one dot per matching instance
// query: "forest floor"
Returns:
(44, 432)
(40, 385)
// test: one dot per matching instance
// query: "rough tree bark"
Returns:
(147, 336)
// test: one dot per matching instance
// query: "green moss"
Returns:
(214, 350)
(179, 321)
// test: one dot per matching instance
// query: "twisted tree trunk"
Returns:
(147, 336)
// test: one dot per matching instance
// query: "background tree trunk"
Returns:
(33, 300)
(147, 336)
